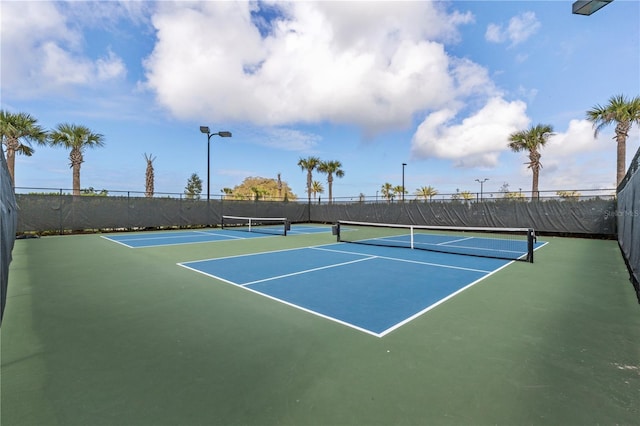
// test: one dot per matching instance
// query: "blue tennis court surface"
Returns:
(155, 239)
(372, 289)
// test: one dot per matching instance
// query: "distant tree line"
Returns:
(20, 131)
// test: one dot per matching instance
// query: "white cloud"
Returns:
(110, 67)
(495, 34)
(528, 94)
(522, 27)
(55, 58)
(288, 139)
(518, 30)
(477, 140)
(326, 61)
(575, 159)
(578, 139)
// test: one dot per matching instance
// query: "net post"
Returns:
(336, 231)
(531, 239)
(411, 230)
(222, 221)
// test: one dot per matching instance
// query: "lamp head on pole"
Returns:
(222, 133)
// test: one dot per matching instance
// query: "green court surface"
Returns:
(96, 333)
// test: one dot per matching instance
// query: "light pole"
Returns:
(222, 134)
(481, 185)
(403, 166)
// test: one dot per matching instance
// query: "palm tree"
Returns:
(399, 190)
(531, 140)
(17, 131)
(624, 112)
(149, 175)
(316, 188)
(387, 191)
(228, 192)
(467, 195)
(331, 167)
(279, 187)
(426, 192)
(77, 138)
(309, 164)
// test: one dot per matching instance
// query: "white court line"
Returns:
(441, 301)
(439, 265)
(157, 236)
(293, 305)
(267, 252)
(473, 248)
(116, 241)
(309, 270)
(243, 255)
(444, 244)
(452, 241)
(198, 234)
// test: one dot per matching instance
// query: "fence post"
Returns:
(60, 209)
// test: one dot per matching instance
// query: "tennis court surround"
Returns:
(97, 333)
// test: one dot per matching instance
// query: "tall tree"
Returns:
(329, 168)
(271, 189)
(17, 132)
(467, 195)
(76, 138)
(259, 192)
(279, 187)
(624, 112)
(149, 176)
(387, 191)
(309, 164)
(426, 192)
(228, 192)
(399, 190)
(532, 140)
(316, 188)
(194, 187)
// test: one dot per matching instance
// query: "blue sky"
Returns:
(436, 85)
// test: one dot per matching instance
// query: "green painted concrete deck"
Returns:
(95, 333)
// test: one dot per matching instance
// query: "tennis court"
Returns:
(167, 238)
(370, 288)
(97, 333)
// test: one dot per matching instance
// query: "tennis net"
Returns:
(264, 225)
(501, 243)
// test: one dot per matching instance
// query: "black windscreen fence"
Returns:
(563, 217)
(61, 214)
(68, 213)
(8, 224)
(628, 215)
